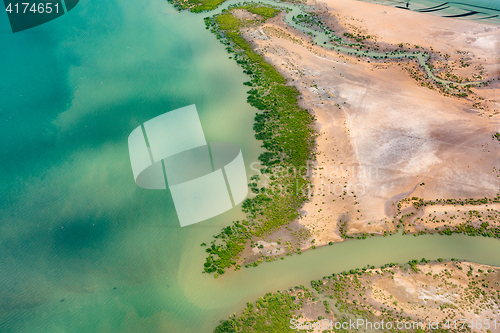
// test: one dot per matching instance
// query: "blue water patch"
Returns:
(487, 11)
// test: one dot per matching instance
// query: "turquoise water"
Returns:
(73, 223)
(82, 249)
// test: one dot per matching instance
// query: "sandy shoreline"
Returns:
(419, 296)
(380, 133)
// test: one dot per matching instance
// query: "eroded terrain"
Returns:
(418, 296)
(385, 131)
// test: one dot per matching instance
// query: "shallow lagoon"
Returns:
(85, 250)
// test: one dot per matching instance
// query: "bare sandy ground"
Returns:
(435, 292)
(380, 133)
(394, 25)
(441, 294)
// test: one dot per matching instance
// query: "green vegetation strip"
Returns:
(287, 135)
(473, 225)
(271, 313)
(196, 6)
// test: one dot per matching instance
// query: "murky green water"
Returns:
(82, 249)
